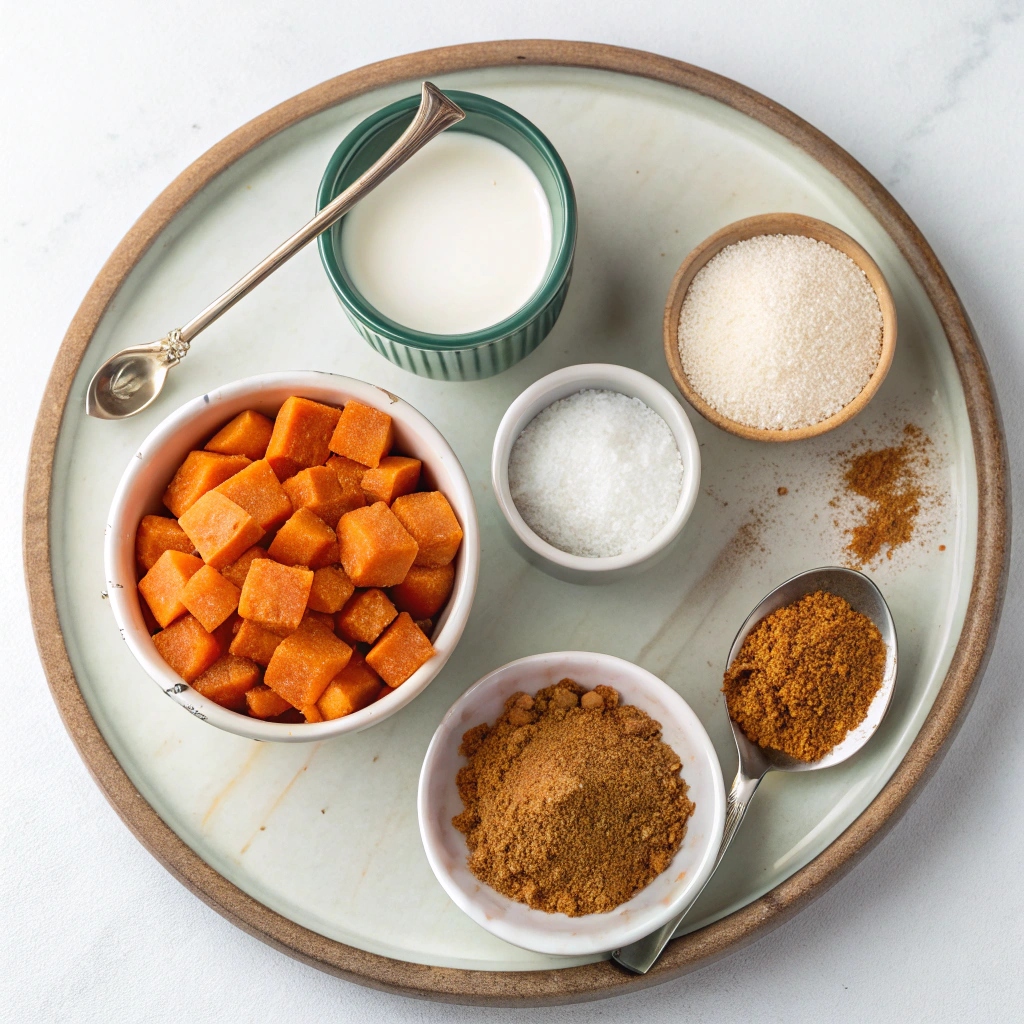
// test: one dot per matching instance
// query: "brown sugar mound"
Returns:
(573, 803)
(806, 676)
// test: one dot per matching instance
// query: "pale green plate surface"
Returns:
(326, 835)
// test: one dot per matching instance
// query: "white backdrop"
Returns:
(103, 103)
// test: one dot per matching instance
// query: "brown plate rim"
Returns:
(593, 981)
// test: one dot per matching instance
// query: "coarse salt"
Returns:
(596, 474)
(780, 331)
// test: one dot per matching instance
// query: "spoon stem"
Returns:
(436, 113)
(640, 956)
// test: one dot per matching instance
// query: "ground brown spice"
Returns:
(888, 478)
(806, 676)
(573, 802)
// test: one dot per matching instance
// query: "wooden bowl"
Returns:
(776, 224)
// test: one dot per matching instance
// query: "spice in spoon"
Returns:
(573, 803)
(806, 676)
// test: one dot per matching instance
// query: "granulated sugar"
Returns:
(780, 331)
(596, 474)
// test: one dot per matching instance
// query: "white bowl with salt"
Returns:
(596, 469)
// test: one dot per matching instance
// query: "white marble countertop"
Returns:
(106, 102)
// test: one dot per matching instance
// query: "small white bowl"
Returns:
(142, 487)
(668, 895)
(560, 384)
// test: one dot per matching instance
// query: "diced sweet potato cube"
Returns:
(239, 569)
(221, 530)
(304, 540)
(400, 651)
(227, 681)
(247, 434)
(350, 478)
(331, 589)
(317, 489)
(302, 435)
(396, 475)
(210, 597)
(355, 687)
(432, 524)
(376, 550)
(264, 703)
(199, 473)
(224, 634)
(155, 535)
(188, 648)
(164, 584)
(305, 662)
(257, 490)
(424, 590)
(311, 713)
(366, 616)
(363, 434)
(149, 619)
(256, 643)
(322, 617)
(274, 596)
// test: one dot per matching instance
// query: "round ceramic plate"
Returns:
(315, 848)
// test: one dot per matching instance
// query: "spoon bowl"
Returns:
(129, 381)
(755, 762)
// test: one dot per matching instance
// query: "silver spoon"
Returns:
(129, 381)
(755, 762)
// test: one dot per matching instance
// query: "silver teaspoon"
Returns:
(129, 381)
(755, 762)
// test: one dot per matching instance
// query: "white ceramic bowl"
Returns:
(669, 893)
(536, 398)
(141, 490)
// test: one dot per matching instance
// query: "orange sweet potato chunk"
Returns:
(188, 648)
(163, 585)
(363, 434)
(155, 535)
(305, 662)
(355, 687)
(432, 524)
(376, 550)
(305, 540)
(311, 713)
(255, 643)
(220, 529)
(274, 596)
(257, 490)
(227, 681)
(262, 702)
(247, 434)
(317, 489)
(396, 475)
(400, 651)
(424, 591)
(210, 597)
(301, 437)
(331, 589)
(239, 569)
(366, 616)
(199, 473)
(350, 478)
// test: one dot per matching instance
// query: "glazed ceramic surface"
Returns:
(666, 896)
(326, 833)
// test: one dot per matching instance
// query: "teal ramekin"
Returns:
(496, 348)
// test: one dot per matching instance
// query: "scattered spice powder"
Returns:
(806, 676)
(889, 478)
(573, 803)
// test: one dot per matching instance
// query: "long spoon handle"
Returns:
(640, 956)
(436, 113)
